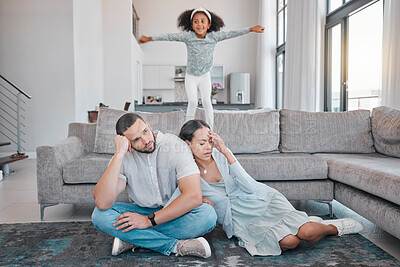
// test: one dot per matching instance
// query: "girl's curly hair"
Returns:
(185, 23)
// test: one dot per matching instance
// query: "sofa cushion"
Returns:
(86, 169)
(304, 190)
(247, 131)
(283, 166)
(374, 173)
(313, 132)
(386, 130)
(169, 122)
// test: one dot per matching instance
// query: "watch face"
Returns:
(151, 216)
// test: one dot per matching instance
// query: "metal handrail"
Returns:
(18, 103)
(16, 87)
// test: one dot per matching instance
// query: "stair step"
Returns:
(5, 144)
(10, 159)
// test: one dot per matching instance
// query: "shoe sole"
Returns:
(115, 246)
(206, 246)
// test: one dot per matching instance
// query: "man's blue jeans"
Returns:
(161, 238)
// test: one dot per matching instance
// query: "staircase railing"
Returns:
(12, 108)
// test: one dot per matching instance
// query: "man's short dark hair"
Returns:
(126, 121)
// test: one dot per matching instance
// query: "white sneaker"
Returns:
(345, 226)
(198, 247)
(315, 219)
(120, 246)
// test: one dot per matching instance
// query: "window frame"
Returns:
(340, 16)
(280, 50)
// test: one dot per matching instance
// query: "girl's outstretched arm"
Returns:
(144, 39)
(179, 37)
(221, 35)
(257, 28)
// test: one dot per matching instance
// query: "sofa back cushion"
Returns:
(169, 122)
(247, 131)
(386, 130)
(312, 132)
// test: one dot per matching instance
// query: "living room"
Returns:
(46, 52)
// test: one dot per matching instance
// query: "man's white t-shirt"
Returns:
(152, 177)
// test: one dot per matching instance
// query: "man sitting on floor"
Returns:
(151, 166)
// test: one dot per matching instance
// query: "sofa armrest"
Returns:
(49, 162)
(86, 132)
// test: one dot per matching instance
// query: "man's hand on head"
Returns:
(130, 221)
(122, 145)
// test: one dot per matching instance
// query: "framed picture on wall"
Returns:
(153, 99)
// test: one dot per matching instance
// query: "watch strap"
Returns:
(151, 217)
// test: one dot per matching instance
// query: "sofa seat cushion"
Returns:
(283, 166)
(86, 169)
(375, 173)
(326, 132)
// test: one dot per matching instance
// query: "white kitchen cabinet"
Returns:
(158, 77)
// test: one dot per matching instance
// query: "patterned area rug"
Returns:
(80, 244)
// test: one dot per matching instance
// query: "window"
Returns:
(353, 54)
(334, 4)
(280, 50)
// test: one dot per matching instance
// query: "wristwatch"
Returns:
(151, 217)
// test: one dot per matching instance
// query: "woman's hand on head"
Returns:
(257, 28)
(220, 145)
(218, 142)
(144, 39)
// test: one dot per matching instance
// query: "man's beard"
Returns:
(148, 151)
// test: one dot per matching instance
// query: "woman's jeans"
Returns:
(161, 238)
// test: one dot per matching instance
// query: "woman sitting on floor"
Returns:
(262, 219)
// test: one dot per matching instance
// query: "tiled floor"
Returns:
(18, 204)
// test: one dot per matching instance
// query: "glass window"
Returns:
(334, 78)
(334, 4)
(280, 67)
(365, 57)
(354, 56)
(281, 29)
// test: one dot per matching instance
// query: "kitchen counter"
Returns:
(173, 106)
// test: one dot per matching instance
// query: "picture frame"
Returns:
(153, 99)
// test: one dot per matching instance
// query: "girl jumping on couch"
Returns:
(201, 32)
(262, 219)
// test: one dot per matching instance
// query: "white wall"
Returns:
(88, 56)
(69, 55)
(137, 76)
(117, 23)
(237, 55)
(36, 53)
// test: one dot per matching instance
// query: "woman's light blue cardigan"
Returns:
(238, 184)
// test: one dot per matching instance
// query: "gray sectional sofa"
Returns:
(353, 157)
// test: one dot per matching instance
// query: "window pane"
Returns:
(365, 57)
(280, 66)
(280, 4)
(280, 28)
(334, 81)
(334, 4)
(285, 16)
